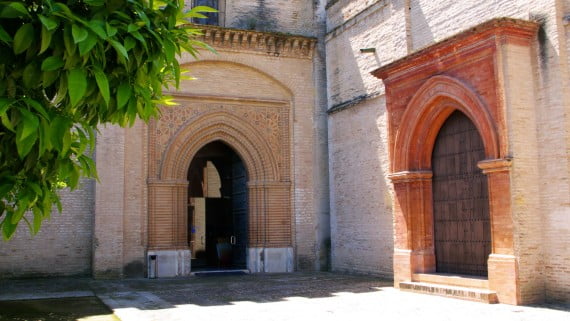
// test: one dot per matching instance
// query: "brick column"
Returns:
(109, 203)
(168, 201)
(413, 225)
(502, 263)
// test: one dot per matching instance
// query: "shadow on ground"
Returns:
(154, 294)
(60, 309)
(225, 290)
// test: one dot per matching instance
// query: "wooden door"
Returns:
(239, 209)
(460, 199)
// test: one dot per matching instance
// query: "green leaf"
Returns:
(98, 27)
(38, 217)
(87, 45)
(66, 143)
(44, 137)
(119, 48)
(202, 9)
(103, 84)
(31, 75)
(123, 94)
(36, 188)
(5, 104)
(129, 43)
(68, 41)
(8, 228)
(52, 63)
(79, 33)
(132, 27)
(14, 9)
(24, 146)
(7, 122)
(29, 125)
(95, 3)
(59, 127)
(37, 106)
(4, 36)
(46, 39)
(49, 77)
(23, 38)
(74, 179)
(23, 204)
(77, 85)
(50, 23)
(169, 50)
(111, 31)
(5, 188)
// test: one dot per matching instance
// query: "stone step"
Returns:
(466, 281)
(472, 294)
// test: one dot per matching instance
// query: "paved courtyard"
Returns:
(296, 296)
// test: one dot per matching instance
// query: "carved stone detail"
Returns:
(273, 44)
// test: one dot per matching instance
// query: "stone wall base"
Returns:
(169, 263)
(503, 278)
(270, 260)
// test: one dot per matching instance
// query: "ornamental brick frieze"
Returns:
(272, 122)
(258, 130)
(268, 43)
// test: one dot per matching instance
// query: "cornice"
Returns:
(507, 27)
(267, 43)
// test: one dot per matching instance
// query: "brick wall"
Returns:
(361, 222)
(63, 245)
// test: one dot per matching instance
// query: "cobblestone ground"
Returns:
(296, 296)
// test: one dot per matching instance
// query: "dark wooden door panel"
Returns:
(460, 199)
(239, 208)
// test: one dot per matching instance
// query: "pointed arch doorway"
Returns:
(268, 241)
(217, 208)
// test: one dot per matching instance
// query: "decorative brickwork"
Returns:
(274, 44)
(257, 129)
(422, 90)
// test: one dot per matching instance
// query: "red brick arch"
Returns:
(426, 112)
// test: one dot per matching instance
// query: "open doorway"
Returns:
(217, 209)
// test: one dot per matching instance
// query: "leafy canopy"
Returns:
(66, 67)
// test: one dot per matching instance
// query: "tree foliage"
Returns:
(66, 67)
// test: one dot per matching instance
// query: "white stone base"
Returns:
(270, 260)
(170, 263)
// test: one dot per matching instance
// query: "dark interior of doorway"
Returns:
(217, 229)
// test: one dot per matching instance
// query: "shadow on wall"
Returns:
(361, 213)
(345, 77)
(550, 110)
(421, 34)
(261, 18)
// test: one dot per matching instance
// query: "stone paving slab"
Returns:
(295, 296)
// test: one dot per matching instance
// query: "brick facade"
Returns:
(280, 66)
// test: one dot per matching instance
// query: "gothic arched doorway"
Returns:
(462, 232)
(217, 208)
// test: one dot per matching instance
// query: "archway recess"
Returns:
(269, 215)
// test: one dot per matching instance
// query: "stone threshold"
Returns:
(451, 291)
(467, 281)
